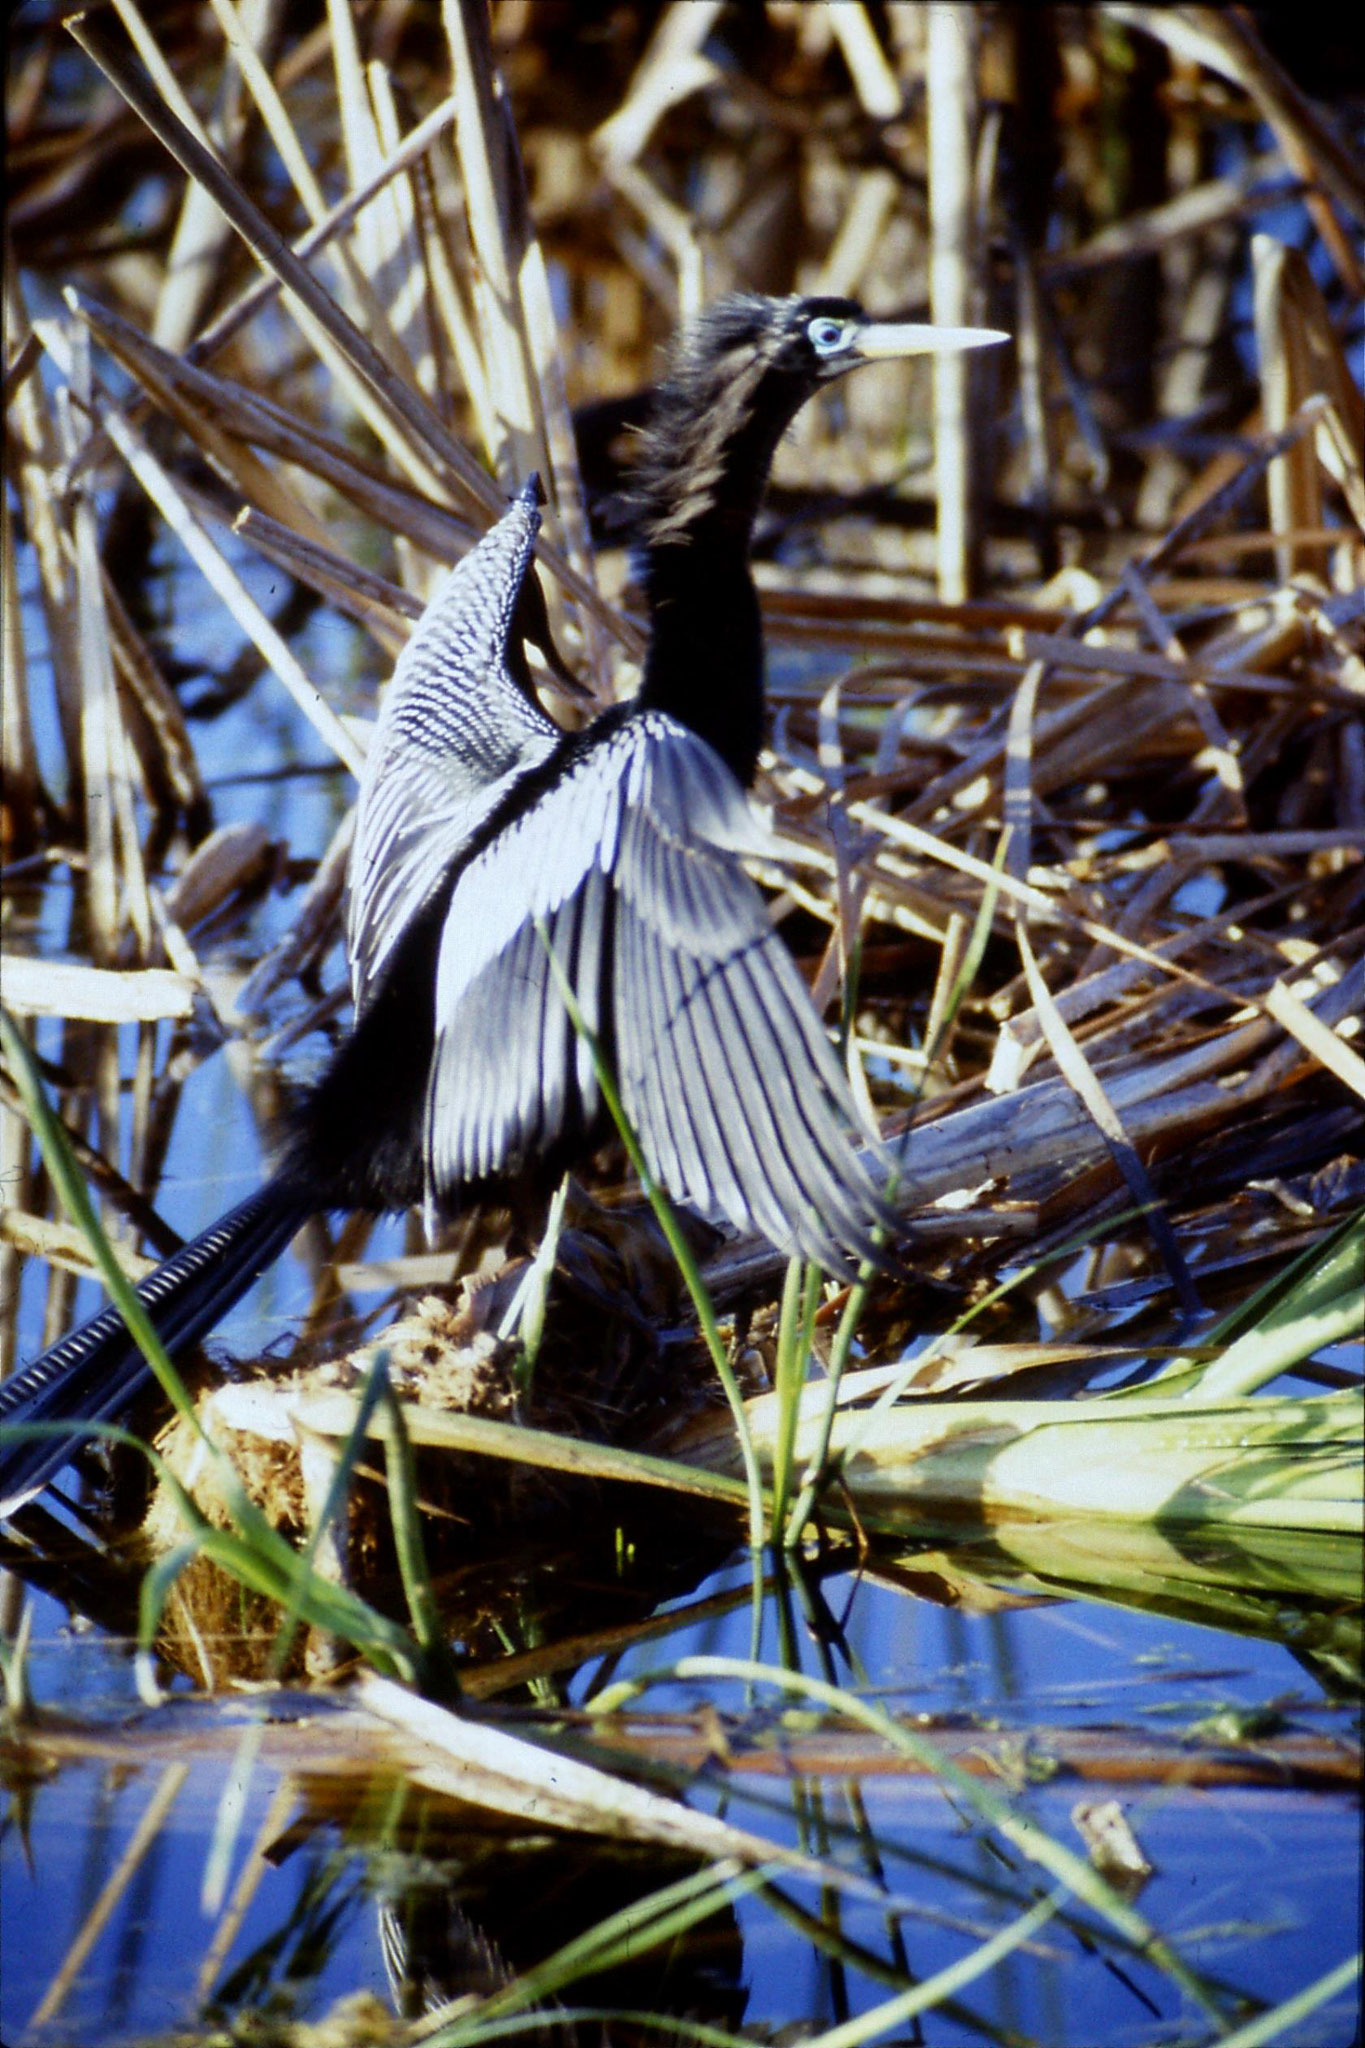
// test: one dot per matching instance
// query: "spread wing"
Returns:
(455, 732)
(629, 863)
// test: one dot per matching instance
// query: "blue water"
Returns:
(1257, 1887)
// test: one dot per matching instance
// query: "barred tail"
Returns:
(93, 1374)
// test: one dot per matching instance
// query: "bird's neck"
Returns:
(704, 663)
(703, 471)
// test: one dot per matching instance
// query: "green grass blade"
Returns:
(1276, 2028)
(991, 1808)
(622, 1937)
(252, 1551)
(67, 1179)
(152, 1596)
(945, 1983)
(677, 1243)
(439, 1678)
(1318, 1302)
(795, 1329)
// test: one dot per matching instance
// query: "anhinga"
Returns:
(487, 836)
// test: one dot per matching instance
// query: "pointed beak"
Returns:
(882, 338)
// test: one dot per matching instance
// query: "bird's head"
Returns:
(738, 377)
(782, 350)
(817, 339)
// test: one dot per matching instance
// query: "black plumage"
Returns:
(487, 838)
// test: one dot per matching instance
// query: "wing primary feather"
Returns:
(641, 1015)
(711, 885)
(709, 1177)
(755, 1182)
(556, 1029)
(831, 1119)
(590, 968)
(838, 1120)
(817, 1150)
(754, 1053)
(523, 1033)
(629, 864)
(521, 1039)
(654, 1044)
(746, 1133)
(701, 1180)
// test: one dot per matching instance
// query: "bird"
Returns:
(500, 861)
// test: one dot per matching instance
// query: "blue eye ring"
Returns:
(828, 336)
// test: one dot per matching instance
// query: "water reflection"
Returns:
(345, 1881)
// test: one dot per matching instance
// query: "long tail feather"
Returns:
(93, 1374)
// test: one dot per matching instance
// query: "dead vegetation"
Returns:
(317, 291)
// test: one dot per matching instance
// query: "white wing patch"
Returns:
(630, 864)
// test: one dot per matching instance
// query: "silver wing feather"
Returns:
(630, 862)
(454, 732)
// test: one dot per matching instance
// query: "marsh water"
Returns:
(155, 1885)
(1255, 1865)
